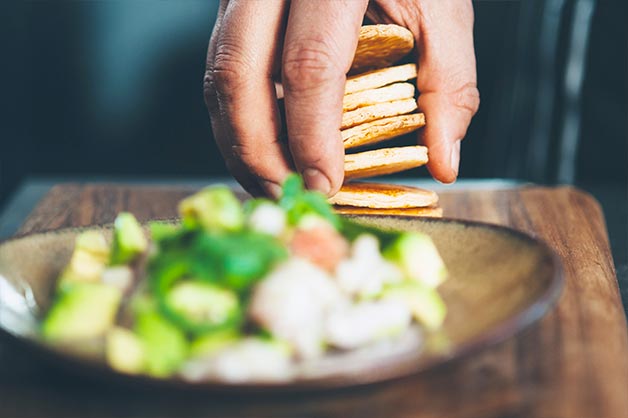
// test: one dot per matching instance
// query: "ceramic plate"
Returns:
(500, 281)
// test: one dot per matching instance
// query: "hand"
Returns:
(448, 94)
(312, 45)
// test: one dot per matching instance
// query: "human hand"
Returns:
(447, 83)
(311, 44)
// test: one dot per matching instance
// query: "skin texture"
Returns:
(309, 46)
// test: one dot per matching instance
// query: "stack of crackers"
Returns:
(380, 104)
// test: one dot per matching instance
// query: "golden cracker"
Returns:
(380, 46)
(384, 161)
(383, 196)
(380, 78)
(397, 91)
(429, 212)
(377, 111)
(381, 130)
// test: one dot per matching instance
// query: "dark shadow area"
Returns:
(114, 88)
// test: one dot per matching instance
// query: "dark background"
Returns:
(114, 88)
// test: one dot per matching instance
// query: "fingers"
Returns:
(241, 94)
(321, 37)
(446, 81)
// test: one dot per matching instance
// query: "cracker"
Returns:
(380, 46)
(429, 212)
(377, 111)
(397, 91)
(381, 130)
(384, 161)
(380, 78)
(383, 196)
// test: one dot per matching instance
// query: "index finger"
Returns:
(320, 42)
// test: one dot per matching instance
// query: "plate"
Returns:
(500, 282)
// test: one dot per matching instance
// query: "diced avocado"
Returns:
(201, 307)
(212, 343)
(82, 268)
(128, 239)
(125, 352)
(160, 230)
(427, 307)
(82, 310)
(118, 276)
(214, 208)
(418, 257)
(165, 346)
(93, 242)
(88, 261)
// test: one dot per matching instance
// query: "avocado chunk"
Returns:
(427, 307)
(124, 351)
(128, 239)
(81, 311)
(418, 257)
(165, 346)
(214, 209)
(210, 344)
(93, 242)
(88, 260)
(202, 307)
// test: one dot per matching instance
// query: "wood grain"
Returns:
(574, 363)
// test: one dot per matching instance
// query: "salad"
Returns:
(240, 293)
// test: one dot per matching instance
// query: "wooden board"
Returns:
(574, 363)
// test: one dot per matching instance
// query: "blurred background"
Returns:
(113, 88)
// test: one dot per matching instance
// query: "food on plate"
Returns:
(243, 293)
(383, 196)
(380, 46)
(384, 161)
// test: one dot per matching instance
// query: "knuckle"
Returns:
(230, 70)
(309, 63)
(209, 92)
(249, 156)
(468, 98)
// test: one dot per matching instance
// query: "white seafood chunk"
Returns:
(366, 322)
(292, 302)
(251, 359)
(269, 219)
(366, 271)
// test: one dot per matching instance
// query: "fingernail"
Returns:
(315, 180)
(271, 188)
(455, 157)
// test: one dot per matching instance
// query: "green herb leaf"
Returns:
(298, 202)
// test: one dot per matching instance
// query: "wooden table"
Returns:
(572, 364)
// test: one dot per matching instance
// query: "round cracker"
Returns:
(377, 111)
(381, 129)
(383, 196)
(380, 78)
(384, 161)
(429, 212)
(380, 46)
(397, 91)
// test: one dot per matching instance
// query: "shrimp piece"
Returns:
(320, 244)
(292, 302)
